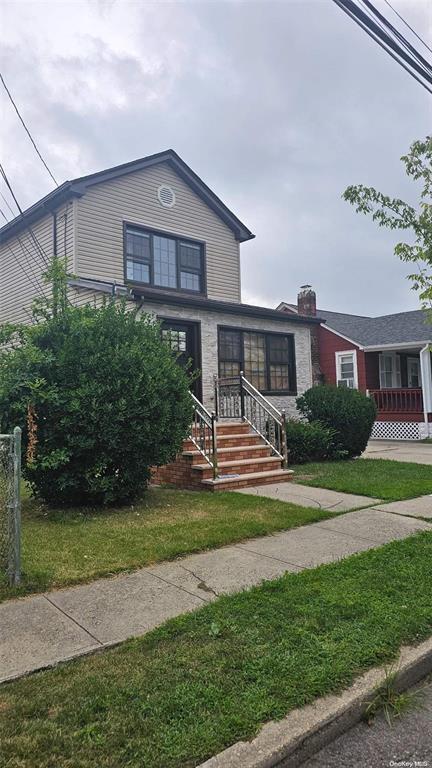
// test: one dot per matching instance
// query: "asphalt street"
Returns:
(407, 744)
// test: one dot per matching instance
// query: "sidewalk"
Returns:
(43, 630)
(308, 496)
(399, 450)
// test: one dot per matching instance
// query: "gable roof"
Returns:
(400, 328)
(77, 188)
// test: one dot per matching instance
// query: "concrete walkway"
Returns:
(43, 630)
(421, 507)
(306, 496)
(399, 450)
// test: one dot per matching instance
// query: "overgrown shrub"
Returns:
(347, 411)
(100, 398)
(311, 441)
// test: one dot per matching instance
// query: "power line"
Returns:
(408, 25)
(6, 180)
(38, 245)
(385, 24)
(40, 251)
(7, 203)
(400, 49)
(37, 287)
(27, 130)
(24, 251)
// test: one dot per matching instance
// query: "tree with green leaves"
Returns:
(394, 213)
(99, 396)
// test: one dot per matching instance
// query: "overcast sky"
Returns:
(277, 106)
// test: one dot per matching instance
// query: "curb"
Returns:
(303, 732)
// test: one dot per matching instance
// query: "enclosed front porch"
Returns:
(400, 382)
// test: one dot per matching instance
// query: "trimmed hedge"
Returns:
(101, 400)
(348, 412)
(311, 441)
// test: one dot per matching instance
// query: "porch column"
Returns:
(426, 377)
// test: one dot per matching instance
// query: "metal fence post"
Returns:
(216, 396)
(214, 445)
(15, 575)
(242, 401)
(284, 440)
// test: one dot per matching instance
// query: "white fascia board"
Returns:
(114, 289)
(395, 347)
(283, 305)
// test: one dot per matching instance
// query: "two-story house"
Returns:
(151, 230)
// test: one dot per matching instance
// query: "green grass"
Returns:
(205, 680)
(70, 546)
(379, 478)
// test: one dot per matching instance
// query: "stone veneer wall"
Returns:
(209, 322)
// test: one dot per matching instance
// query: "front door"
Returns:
(184, 341)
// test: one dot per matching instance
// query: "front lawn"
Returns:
(205, 680)
(69, 546)
(379, 478)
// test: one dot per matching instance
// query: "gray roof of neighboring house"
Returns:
(77, 188)
(400, 328)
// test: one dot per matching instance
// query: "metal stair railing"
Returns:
(203, 434)
(237, 398)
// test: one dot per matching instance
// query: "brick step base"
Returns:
(239, 467)
(245, 481)
(229, 441)
(235, 453)
(229, 427)
(244, 459)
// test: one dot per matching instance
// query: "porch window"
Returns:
(162, 261)
(267, 359)
(390, 372)
(414, 373)
(346, 369)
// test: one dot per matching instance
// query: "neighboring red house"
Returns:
(388, 357)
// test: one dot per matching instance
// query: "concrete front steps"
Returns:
(244, 459)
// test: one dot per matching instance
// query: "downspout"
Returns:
(426, 373)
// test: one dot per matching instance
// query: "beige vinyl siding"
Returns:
(23, 263)
(133, 198)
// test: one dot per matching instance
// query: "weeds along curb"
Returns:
(289, 742)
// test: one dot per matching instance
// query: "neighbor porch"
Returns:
(400, 382)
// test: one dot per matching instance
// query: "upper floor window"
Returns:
(162, 261)
(267, 359)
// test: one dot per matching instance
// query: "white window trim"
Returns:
(338, 356)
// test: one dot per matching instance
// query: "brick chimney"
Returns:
(306, 306)
(306, 301)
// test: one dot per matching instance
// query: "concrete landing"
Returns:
(306, 496)
(42, 630)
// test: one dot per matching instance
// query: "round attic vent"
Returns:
(166, 196)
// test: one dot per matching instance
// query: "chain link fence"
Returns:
(10, 506)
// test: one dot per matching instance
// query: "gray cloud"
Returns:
(278, 106)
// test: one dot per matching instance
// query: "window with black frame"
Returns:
(162, 261)
(267, 359)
